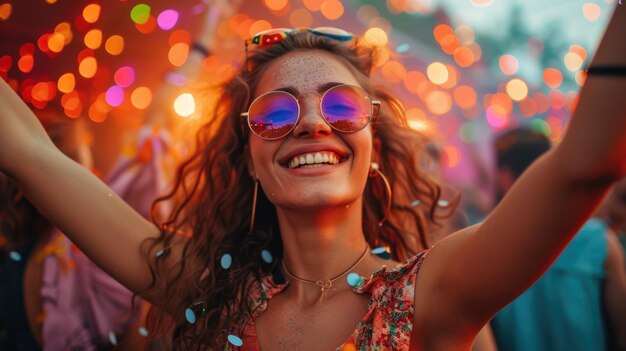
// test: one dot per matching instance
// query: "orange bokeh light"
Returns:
(91, 13)
(332, 9)
(552, 77)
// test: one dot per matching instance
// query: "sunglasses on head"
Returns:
(345, 108)
(272, 36)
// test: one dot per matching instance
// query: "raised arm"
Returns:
(107, 229)
(474, 273)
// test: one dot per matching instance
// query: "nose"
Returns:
(311, 122)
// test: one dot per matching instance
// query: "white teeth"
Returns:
(317, 159)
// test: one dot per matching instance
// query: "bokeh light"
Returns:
(178, 54)
(300, 18)
(93, 39)
(114, 45)
(141, 98)
(124, 76)
(438, 102)
(465, 96)
(437, 73)
(140, 13)
(508, 64)
(91, 13)
(5, 11)
(552, 77)
(184, 105)
(275, 5)
(591, 11)
(66, 82)
(167, 19)
(332, 9)
(482, 3)
(517, 89)
(114, 95)
(376, 37)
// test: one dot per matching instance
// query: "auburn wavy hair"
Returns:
(212, 202)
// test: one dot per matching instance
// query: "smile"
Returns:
(312, 160)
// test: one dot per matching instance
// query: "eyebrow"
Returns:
(320, 89)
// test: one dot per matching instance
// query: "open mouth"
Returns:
(313, 160)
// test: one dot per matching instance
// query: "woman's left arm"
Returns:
(474, 273)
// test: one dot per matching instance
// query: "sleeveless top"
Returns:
(387, 323)
(563, 310)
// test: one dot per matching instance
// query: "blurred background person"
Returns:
(565, 308)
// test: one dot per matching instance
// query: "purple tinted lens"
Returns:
(273, 115)
(346, 108)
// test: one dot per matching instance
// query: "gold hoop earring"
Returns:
(254, 195)
(375, 171)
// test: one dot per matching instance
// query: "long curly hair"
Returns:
(212, 199)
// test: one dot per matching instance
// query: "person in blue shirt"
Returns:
(581, 298)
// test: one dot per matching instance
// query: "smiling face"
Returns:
(314, 166)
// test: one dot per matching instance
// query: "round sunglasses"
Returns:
(345, 108)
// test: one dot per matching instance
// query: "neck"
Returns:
(320, 244)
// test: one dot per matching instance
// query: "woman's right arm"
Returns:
(105, 228)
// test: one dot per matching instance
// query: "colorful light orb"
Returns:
(5, 11)
(64, 29)
(26, 63)
(376, 37)
(140, 13)
(465, 96)
(438, 102)
(93, 39)
(88, 67)
(517, 89)
(300, 18)
(167, 19)
(313, 5)
(573, 61)
(463, 56)
(5, 63)
(91, 13)
(275, 5)
(178, 54)
(496, 118)
(437, 73)
(403, 48)
(591, 11)
(508, 64)
(259, 26)
(332, 9)
(185, 105)
(56, 42)
(540, 126)
(124, 76)
(147, 27)
(66, 82)
(114, 45)
(114, 95)
(552, 77)
(141, 98)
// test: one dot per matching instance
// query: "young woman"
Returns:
(286, 195)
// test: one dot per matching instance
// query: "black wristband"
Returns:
(606, 71)
(201, 49)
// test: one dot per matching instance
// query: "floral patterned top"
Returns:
(387, 324)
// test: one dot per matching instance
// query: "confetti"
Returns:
(226, 261)
(143, 331)
(382, 252)
(112, 338)
(266, 256)
(415, 203)
(235, 340)
(403, 49)
(442, 203)
(190, 316)
(15, 256)
(160, 252)
(354, 279)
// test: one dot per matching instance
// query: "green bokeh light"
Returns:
(140, 13)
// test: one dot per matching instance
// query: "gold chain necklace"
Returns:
(324, 285)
